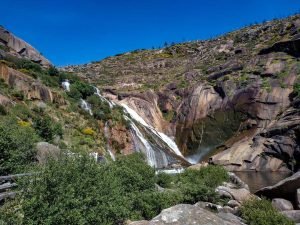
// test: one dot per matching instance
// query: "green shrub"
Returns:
(46, 128)
(297, 89)
(84, 88)
(261, 212)
(52, 71)
(199, 185)
(2, 110)
(164, 180)
(17, 146)
(77, 190)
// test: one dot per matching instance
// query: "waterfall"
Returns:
(147, 150)
(160, 150)
(107, 136)
(166, 139)
(66, 85)
(86, 106)
(111, 104)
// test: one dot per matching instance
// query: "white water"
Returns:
(148, 150)
(170, 171)
(86, 106)
(111, 104)
(94, 155)
(66, 85)
(107, 136)
(166, 139)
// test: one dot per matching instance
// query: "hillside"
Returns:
(231, 101)
(234, 93)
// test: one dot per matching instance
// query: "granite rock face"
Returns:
(20, 48)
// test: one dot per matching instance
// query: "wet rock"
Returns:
(281, 204)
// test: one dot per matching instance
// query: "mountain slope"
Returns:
(221, 95)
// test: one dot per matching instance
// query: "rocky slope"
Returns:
(10, 45)
(233, 96)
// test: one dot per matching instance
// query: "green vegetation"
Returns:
(261, 212)
(77, 190)
(17, 146)
(46, 128)
(297, 89)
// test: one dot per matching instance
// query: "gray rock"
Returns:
(298, 198)
(286, 189)
(45, 151)
(294, 215)
(233, 203)
(232, 219)
(189, 215)
(240, 194)
(22, 49)
(281, 204)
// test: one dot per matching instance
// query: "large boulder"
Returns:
(287, 189)
(184, 214)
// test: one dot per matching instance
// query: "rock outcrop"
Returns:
(17, 47)
(31, 88)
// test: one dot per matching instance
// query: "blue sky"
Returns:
(79, 31)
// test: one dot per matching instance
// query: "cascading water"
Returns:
(161, 151)
(111, 104)
(166, 139)
(66, 85)
(86, 106)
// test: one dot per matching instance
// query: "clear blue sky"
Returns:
(80, 31)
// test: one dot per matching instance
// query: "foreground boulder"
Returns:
(184, 214)
(287, 189)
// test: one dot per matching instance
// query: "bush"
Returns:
(164, 180)
(84, 89)
(261, 212)
(77, 190)
(88, 131)
(199, 185)
(17, 146)
(297, 89)
(47, 128)
(52, 71)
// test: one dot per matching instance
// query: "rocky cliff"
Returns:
(10, 45)
(232, 97)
